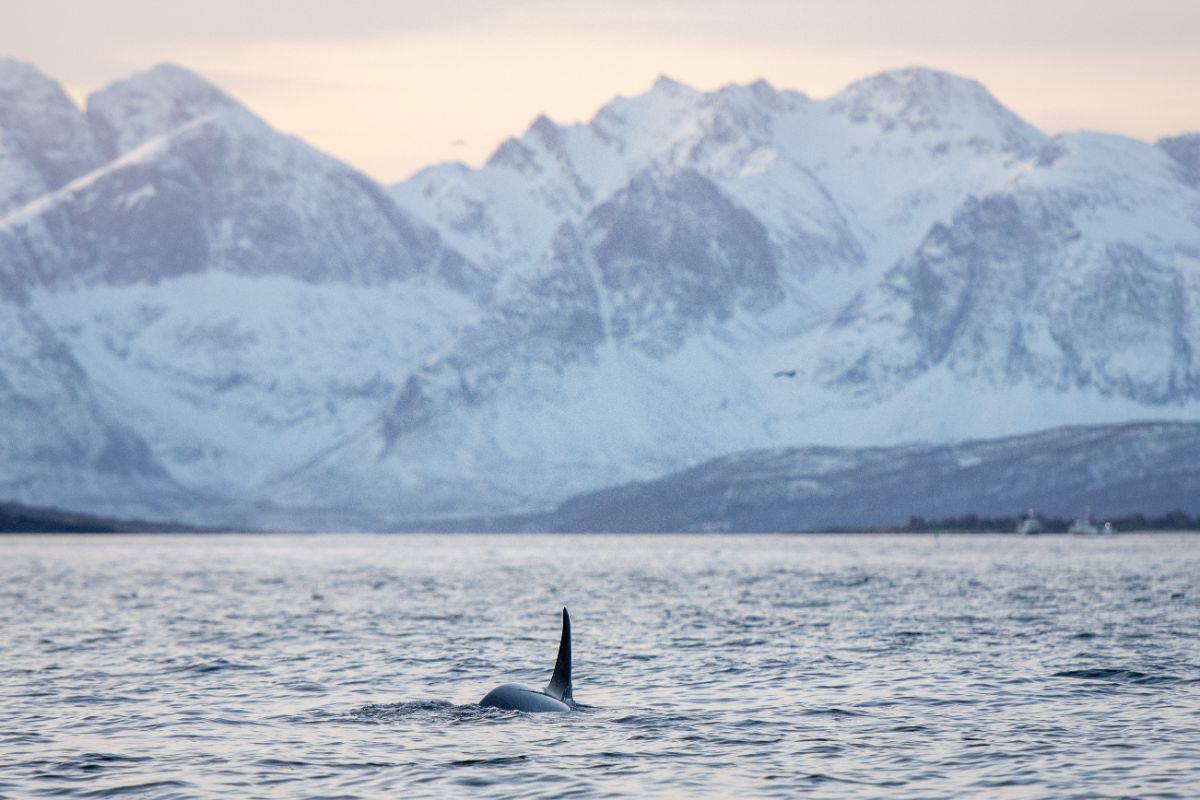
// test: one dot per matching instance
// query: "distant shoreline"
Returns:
(16, 518)
(19, 518)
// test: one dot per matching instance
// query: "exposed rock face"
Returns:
(675, 256)
(1024, 286)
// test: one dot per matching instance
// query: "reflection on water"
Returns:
(281, 666)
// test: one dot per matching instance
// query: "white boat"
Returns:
(1086, 526)
(1030, 525)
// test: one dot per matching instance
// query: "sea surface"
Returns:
(818, 666)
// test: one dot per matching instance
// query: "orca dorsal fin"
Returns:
(560, 684)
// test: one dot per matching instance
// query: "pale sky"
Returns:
(393, 85)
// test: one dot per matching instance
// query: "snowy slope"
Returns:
(58, 439)
(235, 379)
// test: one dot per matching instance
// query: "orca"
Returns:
(557, 695)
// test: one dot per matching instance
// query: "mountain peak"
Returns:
(167, 81)
(916, 81)
(16, 74)
(26, 92)
(520, 153)
(762, 93)
(44, 139)
(544, 129)
(665, 84)
(153, 103)
(922, 99)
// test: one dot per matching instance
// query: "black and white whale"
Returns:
(556, 697)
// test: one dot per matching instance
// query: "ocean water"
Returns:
(822, 666)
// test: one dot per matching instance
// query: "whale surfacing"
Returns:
(558, 694)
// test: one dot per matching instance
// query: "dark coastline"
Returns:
(16, 518)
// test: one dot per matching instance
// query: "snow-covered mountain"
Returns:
(686, 275)
(234, 297)
(747, 268)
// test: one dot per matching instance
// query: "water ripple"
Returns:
(832, 666)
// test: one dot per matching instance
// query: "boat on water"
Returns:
(1030, 524)
(1086, 526)
(1081, 527)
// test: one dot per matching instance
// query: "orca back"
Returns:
(557, 695)
(514, 697)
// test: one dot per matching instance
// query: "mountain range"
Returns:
(208, 320)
